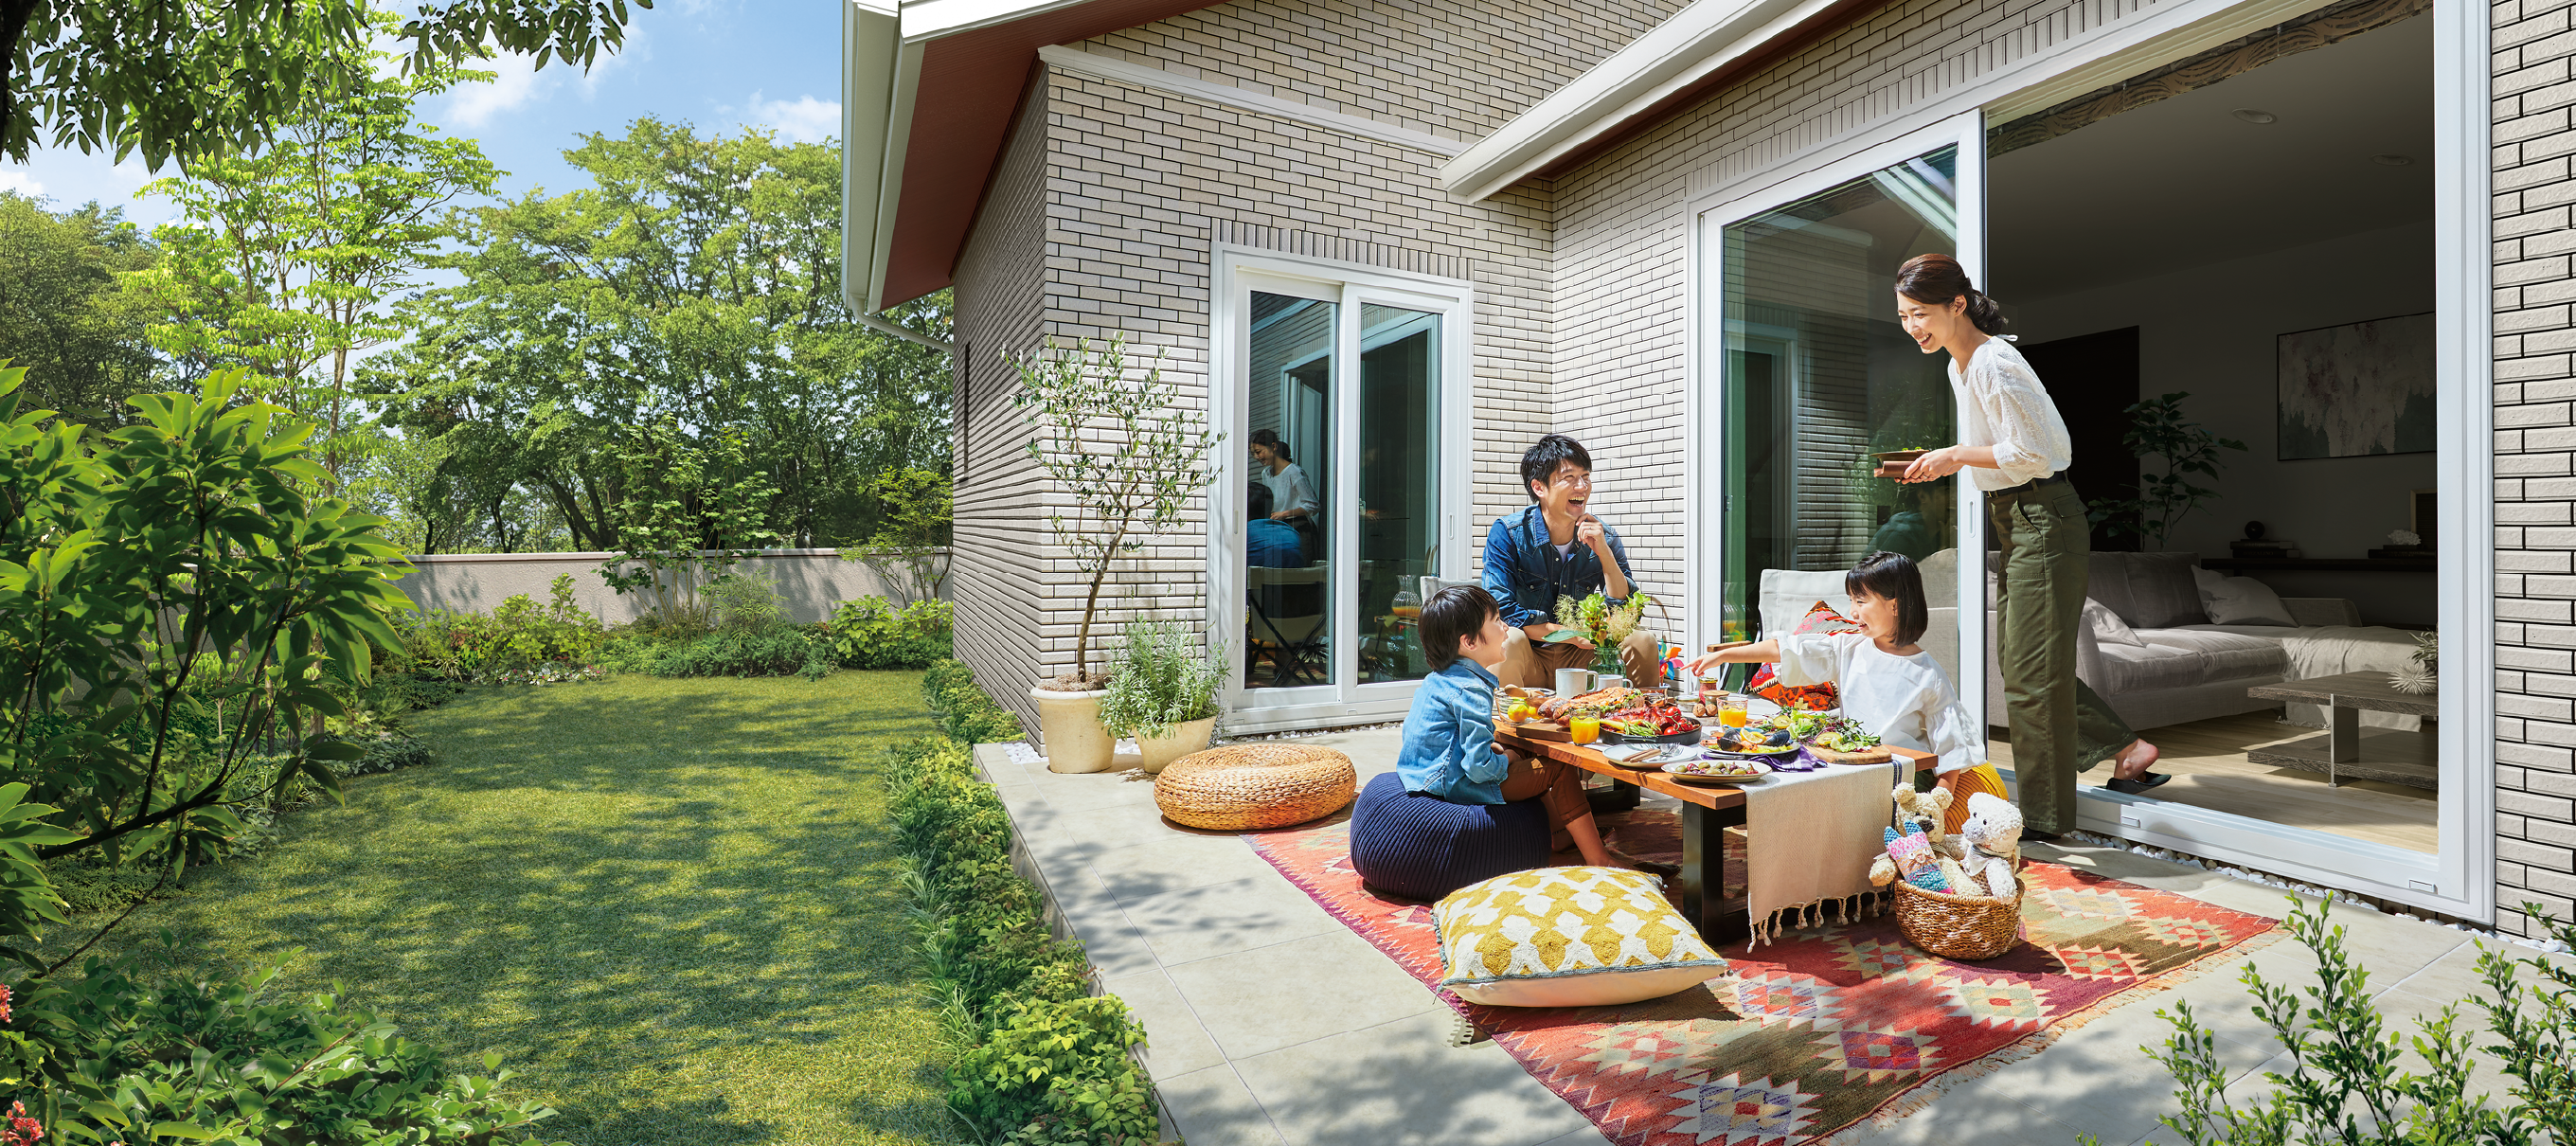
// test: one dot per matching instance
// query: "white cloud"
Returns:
(803, 120)
(514, 83)
(20, 182)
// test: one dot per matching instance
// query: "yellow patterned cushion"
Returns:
(1569, 937)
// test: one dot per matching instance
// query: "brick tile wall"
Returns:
(2535, 461)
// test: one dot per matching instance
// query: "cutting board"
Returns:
(1878, 755)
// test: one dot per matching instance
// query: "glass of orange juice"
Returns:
(1730, 710)
(1584, 729)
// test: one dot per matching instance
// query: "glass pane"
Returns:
(1288, 625)
(1818, 377)
(1399, 485)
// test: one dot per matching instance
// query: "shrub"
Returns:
(1161, 679)
(965, 713)
(521, 642)
(2345, 1082)
(872, 633)
(1038, 1059)
(137, 1049)
(785, 650)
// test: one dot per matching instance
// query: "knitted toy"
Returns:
(1914, 858)
(1993, 833)
(1926, 811)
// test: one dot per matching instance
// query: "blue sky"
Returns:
(721, 64)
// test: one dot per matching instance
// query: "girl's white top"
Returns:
(1905, 701)
(1289, 490)
(2008, 409)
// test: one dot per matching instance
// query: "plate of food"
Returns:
(1650, 719)
(1717, 771)
(1648, 756)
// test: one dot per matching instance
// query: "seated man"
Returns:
(1272, 544)
(1557, 548)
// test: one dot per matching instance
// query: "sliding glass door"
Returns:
(1336, 499)
(1813, 377)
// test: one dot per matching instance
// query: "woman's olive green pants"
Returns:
(2059, 726)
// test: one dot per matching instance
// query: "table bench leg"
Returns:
(1721, 919)
(2343, 739)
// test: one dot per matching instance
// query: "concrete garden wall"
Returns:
(809, 581)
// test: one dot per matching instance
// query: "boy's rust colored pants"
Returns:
(1560, 785)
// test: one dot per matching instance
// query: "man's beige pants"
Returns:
(1533, 664)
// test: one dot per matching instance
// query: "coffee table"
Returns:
(2398, 758)
(1706, 814)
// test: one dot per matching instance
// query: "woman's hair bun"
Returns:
(1936, 279)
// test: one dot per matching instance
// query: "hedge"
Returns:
(1035, 1057)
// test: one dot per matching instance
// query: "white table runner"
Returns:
(1809, 840)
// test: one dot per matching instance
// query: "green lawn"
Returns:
(670, 904)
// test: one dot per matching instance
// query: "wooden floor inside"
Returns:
(2206, 759)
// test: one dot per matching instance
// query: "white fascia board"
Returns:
(1683, 50)
(931, 19)
(1159, 80)
(876, 106)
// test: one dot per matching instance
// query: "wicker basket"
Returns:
(1958, 926)
(1242, 787)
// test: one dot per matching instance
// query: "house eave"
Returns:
(1631, 86)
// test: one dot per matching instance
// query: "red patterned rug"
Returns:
(1820, 1030)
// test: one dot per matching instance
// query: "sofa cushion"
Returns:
(2225, 655)
(2148, 590)
(2146, 668)
(2107, 626)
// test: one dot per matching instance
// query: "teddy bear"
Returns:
(1924, 810)
(1911, 855)
(1993, 835)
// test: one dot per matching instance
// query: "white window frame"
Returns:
(2460, 879)
(1710, 215)
(1235, 272)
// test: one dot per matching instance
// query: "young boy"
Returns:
(1449, 748)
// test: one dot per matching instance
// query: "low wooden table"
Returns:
(2402, 759)
(1707, 811)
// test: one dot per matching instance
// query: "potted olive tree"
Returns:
(1129, 456)
(1163, 692)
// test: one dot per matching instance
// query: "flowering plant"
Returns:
(1600, 621)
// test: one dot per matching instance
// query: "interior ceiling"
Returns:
(2183, 183)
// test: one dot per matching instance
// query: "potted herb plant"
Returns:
(1164, 693)
(1129, 455)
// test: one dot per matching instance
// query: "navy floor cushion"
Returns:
(1423, 847)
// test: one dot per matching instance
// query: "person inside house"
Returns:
(2015, 446)
(1449, 755)
(1292, 494)
(1271, 543)
(1556, 548)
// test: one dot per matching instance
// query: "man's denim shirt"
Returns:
(1449, 737)
(1526, 576)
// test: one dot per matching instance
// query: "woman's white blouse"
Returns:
(1289, 490)
(1906, 701)
(2008, 409)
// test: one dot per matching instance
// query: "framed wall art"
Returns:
(2358, 389)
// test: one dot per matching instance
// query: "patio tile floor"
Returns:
(1271, 1023)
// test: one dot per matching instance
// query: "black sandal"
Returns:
(2138, 786)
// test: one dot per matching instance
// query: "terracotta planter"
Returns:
(1185, 739)
(1069, 731)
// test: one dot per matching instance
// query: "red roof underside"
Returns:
(961, 115)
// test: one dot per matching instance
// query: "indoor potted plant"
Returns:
(1129, 456)
(1164, 693)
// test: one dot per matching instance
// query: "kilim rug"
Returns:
(1819, 1030)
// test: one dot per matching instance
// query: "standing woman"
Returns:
(2012, 437)
(1292, 493)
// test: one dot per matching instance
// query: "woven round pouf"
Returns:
(1241, 787)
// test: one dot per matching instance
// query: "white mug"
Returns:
(1570, 682)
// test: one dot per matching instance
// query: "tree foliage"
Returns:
(199, 79)
(697, 285)
(284, 260)
(62, 316)
(172, 608)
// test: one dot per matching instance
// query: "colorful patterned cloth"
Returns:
(1823, 1028)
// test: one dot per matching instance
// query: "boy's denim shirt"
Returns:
(1449, 737)
(1526, 576)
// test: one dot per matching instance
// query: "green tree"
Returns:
(61, 314)
(286, 258)
(696, 284)
(197, 79)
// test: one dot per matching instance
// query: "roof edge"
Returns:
(871, 33)
(1695, 43)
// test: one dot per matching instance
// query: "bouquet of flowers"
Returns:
(1605, 624)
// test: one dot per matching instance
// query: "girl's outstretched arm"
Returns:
(1752, 652)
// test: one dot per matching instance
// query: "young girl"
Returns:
(1889, 685)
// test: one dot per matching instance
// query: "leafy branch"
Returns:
(2156, 426)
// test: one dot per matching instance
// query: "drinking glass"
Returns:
(1730, 711)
